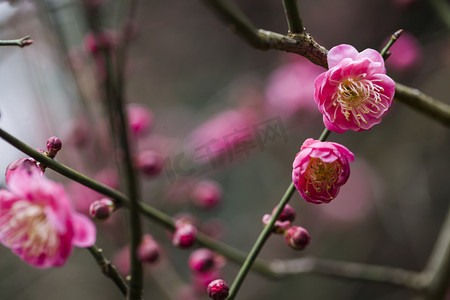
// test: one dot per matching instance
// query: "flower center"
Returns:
(322, 176)
(356, 97)
(26, 226)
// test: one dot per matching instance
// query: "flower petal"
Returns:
(338, 53)
(84, 231)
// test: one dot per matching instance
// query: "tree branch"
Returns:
(108, 269)
(293, 17)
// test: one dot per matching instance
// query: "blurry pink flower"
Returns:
(38, 223)
(290, 88)
(406, 53)
(148, 250)
(224, 134)
(184, 235)
(29, 165)
(354, 93)
(206, 194)
(203, 260)
(121, 259)
(140, 119)
(83, 196)
(319, 169)
(150, 163)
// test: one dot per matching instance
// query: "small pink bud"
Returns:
(184, 235)
(140, 118)
(297, 237)
(54, 144)
(202, 260)
(101, 209)
(150, 163)
(27, 164)
(105, 40)
(288, 213)
(148, 251)
(279, 227)
(206, 194)
(218, 290)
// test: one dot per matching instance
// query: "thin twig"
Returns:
(293, 17)
(384, 52)
(108, 269)
(22, 42)
(437, 271)
(349, 270)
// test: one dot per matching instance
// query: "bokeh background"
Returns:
(187, 67)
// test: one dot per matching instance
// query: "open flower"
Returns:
(38, 223)
(355, 93)
(320, 169)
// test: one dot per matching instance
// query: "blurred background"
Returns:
(217, 109)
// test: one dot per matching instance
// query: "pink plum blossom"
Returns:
(29, 165)
(290, 88)
(140, 119)
(319, 169)
(355, 93)
(225, 133)
(38, 222)
(206, 194)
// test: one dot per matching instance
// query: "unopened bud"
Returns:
(150, 163)
(206, 194)
(101, 209)
(297, 237)
(148, 250)
(288, 213)
(184, 235)
(202, 260)
(279, 227)
(54, 144)
(218, 289)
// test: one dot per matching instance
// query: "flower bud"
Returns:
(140, 119)
(184, 235)
(202, 260)
(54, 144)
(288, 213)
(297, 237)
(206, 194)
(101, 209)
(218, 290)
(150, 163)
(27, 164)
(148, 250)
(279, 227)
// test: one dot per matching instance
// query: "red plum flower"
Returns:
(38, 222)
(355, 93)
(320, 169)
